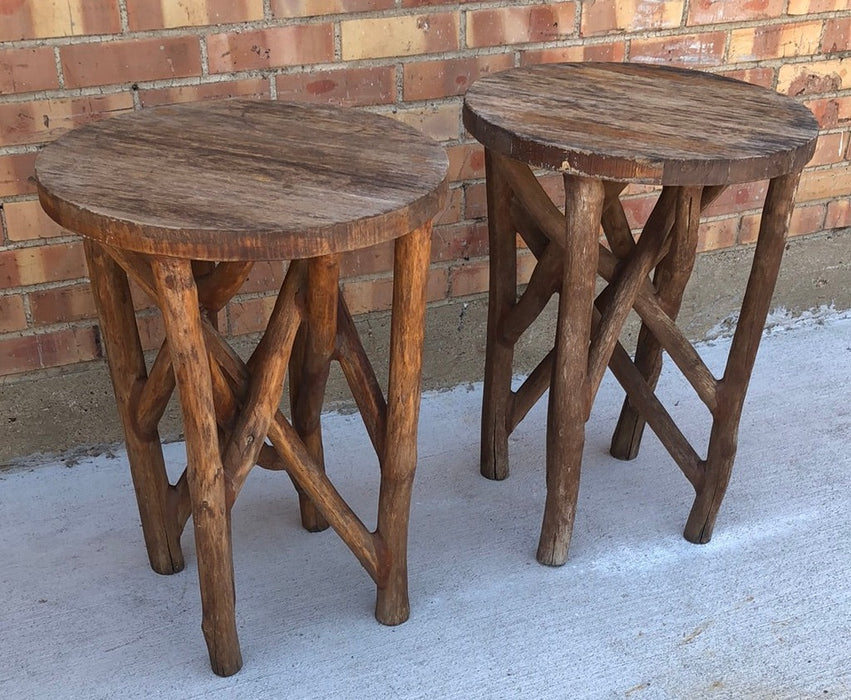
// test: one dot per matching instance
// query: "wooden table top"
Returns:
(640, 123)
(243, 180)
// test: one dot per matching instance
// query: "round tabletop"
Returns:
(640, 123)
(243, 180)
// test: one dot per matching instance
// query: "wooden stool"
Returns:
(185, 200)
(604, 126)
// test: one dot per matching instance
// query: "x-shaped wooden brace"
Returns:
(569, 259)
(231, 408)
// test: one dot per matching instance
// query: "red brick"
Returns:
(475, 201)
(19, 355)
(62, 304)
(831, 112)
(837, 35)
(255, 87)
(831, 148)
(452, 211)
(520, 24)
(52, 263)
(774, 41)
(738, 198)
(249, 315)
(67, 347)
(36, 19)
(755, 76)
(163, 14)
(269, 48)
(363, 296)
(15, 173)
(27, 70)
(130, 61)
(25, 220)
(605, 16)
(720, 233)
(264, 277)
(612, 52)
(43, 120)
(469, 278)
(433, 79)
(689, 51)
(466, 161)
(151, 330)
(12, 314)
(406, 35)
(348, 86)
(312, 8)
(718, 11)
(814, 77)
(838, 214)
(367, 261)
(638, 208)
(459, 241)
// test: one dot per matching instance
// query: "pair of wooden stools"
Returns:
(184, 200)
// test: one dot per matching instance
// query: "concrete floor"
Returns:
(762, 611)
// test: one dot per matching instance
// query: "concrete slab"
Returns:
(762, 611)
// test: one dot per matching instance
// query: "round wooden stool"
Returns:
(604, 126)
(185, 200)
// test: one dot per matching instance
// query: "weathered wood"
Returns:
(640, 123)
(570, 389)
(219, 176)
(153, 398)
(501, 297)
(120, 337)
(407, 327)
(210, 514)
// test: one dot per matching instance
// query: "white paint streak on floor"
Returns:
(763, 611)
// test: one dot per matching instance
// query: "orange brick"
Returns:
(15, 173)
(452, 211)
(12, 315)
(810, 7)
(755, 76)
(720, 233)
(269, 48)
(42, 120)
(459, 241)
(717, 11)
(256, 87)
(363, 296)
(62, 304)
(121, 62)
(690, 50)
(249, 315)
(831, 148)
(347, 86)
(367, 261)
(638, 208)
(825, 184)
(27, 70)
(431, 79)
(264, 277)
(165, 14)
(606, 16)
(837, 35)
(613, 52)
(36, 19)
(831, 112)
(407, 35)
(312, 8)
(838, 214)
(469, 278)
(520, 25)
(774, 41)
(466, 161)
(475, 201)
(805, 220)
(442, 122)
(25, 220)
(738, 198)
(51, 263)
(814, 77)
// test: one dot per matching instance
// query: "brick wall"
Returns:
(66, 62)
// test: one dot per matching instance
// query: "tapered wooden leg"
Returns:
(569, 388)
(776, 214)
(672, 275)
(309, 368)
(501, 297)
(127, 369)
(210, 515)
(403, 406)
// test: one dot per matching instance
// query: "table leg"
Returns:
(672, 275)
(569, 388)
(178, 299)
(407, 329)
(774, 226)
(120, 336)
(310, 365)
(501, 297)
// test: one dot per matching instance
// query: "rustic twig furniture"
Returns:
(605, 126)
(185, 200)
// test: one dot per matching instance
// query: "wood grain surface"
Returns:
(243, 180)
(640, 123)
